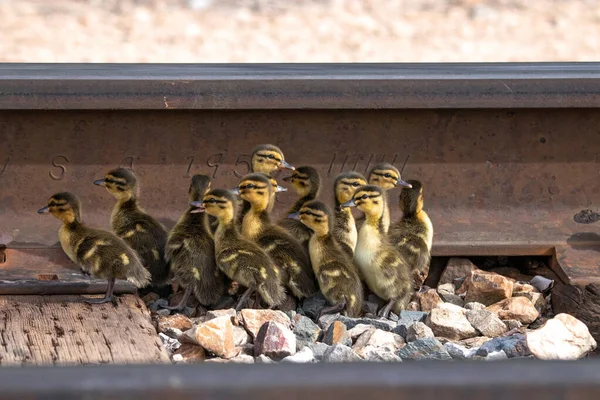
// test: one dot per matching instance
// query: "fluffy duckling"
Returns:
(413, 233)
(285, 251)
(306, 182)
(240, 259)
(191, 251)
(131, 223)
(344, 228)
(267, 158)
(335, 271)
(387, 177)
(384, 269)
(98, 253)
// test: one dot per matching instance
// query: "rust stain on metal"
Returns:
(492, 186)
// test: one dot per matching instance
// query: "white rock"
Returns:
(496, 355)
(418, 330)
(449, 321)
(303, 356)
(562, 338)
(459, 352)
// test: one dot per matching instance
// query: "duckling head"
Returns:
(386, 176)
(317, 217)
(218, 202)
(65, 206)
(369, 199)
(305, 180)
(121, 183)
(346, 184)
(411, 200)
(257, 190)
(267, 158)
(199, 186)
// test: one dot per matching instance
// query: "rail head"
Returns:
(298, 86)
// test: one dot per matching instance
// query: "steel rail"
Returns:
(298, 86)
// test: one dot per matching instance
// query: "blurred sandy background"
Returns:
(298, 31)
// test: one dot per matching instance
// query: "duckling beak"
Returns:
(199, 207)
(350, 203)
(285, 165)
(235, 191)
(294, 215)
(280, 189)
(401, 183)
(99, 182)
(43, 210)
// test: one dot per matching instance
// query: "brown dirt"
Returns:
(299, 31)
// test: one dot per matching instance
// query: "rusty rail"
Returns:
(524, 379)
(509, 153)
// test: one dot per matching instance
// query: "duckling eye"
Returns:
(355, 184)
(211, 201)
(249, 186)
(271, 156)
(388, 175)
(364, 196)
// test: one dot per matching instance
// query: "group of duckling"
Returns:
(228, 236)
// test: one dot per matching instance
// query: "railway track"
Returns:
(509, 154)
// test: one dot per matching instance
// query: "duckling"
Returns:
(98, 253)
(413, 233)
(335, 271)
(384, 269)
(240, 259)
(306, 181)
(344, 228)
(130, 222)
(285, 251)
(387, 177)
(191, 251)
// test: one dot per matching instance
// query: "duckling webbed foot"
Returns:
(243, 299)
(385, 312)
(331, 310)
(183, 303)
(108, 297)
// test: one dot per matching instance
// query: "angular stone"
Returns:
(189, 353)
(496, 355)
(513, 346)
(275, 341)
(176, 321)
(486, 322)
(240, 336)
(457, 269)
(254, 319)
(375, 354)
(173, 333)
(378, 339)
(424, 349)
(562, 338)
(163, 312)
(512, 324)
(487, 288)
(337, 333)
(313, 304)
(262, 359)
(450, 321)
(474, 306)
(216, 336)
(413, 306)
(522, 287)
(519, 308)
(306, 331)
(446, 288)
(150, 298)
(340, 354)
(383, 324)
(473, 343)
(459, 352)
(418, 330)
(318, 350)
(542, 284)
(170, 344)
(452, 299)
(158, 304)
(407, 318)
(303, 356)
(429, 299)
(230, 312)
(327, 320)
(358, 330)
(537, 299)
(242, 359)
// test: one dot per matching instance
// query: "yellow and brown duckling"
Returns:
(383, 268)
(191, 251)
(344, 227)
(98, 253)
(240, 259)
(413, 233)
(387, 177)
(306, 182)
(285, 251)
(335, 270)
(130, 222)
